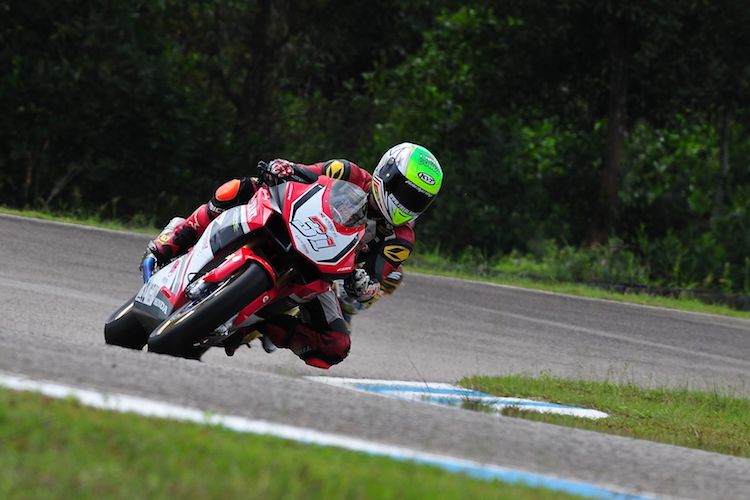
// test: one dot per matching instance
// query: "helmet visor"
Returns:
(404, 191)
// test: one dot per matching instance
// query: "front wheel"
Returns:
(180, 334)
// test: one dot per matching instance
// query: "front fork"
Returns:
(204, 285)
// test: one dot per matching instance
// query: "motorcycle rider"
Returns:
(404, 183)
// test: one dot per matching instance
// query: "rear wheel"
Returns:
(181, 334)
(124, 329)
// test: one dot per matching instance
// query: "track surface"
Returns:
(58, 283)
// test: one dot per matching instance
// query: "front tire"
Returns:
(179, 334)
(123, 328)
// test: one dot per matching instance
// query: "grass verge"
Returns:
(683, 304)
(706, 420)
(60, 449)
(439, 268)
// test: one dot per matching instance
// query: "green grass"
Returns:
(683, 304)
(706, 420)
(60, 449)
(436, 265)
(569, 270)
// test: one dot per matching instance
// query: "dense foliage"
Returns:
(569, 123)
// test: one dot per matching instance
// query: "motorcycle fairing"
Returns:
(314, 234)
(259, 209)
(159, 296)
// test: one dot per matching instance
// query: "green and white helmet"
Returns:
(406, 180)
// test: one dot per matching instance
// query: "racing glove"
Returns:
(278, 171)
(361, 287)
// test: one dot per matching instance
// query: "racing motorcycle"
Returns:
(289, 243)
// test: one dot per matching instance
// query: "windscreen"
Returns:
(348, 204)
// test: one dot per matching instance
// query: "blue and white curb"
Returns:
(452, 395)
(153, 408)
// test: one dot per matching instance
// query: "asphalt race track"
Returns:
(59, 282)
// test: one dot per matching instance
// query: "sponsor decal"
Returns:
(236, 218)
(426, 179)
(161, 305)
(148, 292)
(213, 208)
(429, 162)
(164, 238)
(418, 188)
(396, 253)
(252, 209)
(315, 231)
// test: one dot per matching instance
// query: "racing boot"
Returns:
(245, 336)
(267, 344)
(179, 235)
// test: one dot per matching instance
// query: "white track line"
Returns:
(443, 394)
(153, 408)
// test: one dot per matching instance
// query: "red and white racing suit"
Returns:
(320, 336)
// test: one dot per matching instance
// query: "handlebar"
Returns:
(300, 174)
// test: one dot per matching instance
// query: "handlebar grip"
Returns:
(263, 167)
(300, 174)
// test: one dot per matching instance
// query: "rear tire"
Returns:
(123, 328)
(179, 334)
